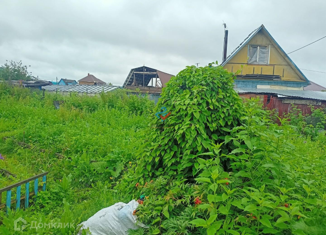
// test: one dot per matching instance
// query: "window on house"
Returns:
(258, 54)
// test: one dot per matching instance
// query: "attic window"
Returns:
(258, 54)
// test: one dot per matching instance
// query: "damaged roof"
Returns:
(146, 73)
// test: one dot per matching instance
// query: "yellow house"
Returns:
(264, 64)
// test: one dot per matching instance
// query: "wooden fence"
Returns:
(28, 194)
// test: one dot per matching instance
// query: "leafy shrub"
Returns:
(309, 125)
(263, 189)
(203, 105)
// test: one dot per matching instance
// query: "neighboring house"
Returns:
(91, 80)
(146, 80)
(38, 84)
(283, 100)
(314, 87)
(267, 72)
(67, 82)
(264, 64)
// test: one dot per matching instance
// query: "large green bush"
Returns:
(203, 106)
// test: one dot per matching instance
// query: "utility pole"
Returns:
(225, 43)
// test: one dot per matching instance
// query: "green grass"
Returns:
(92, 147)
(85, 145)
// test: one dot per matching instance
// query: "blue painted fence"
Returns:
(18, 187)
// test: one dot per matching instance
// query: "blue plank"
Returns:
(8, 200)
(35, 188)
(18, 198)
(27, 195)
(44, 182)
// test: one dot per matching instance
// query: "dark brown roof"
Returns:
(91, 78)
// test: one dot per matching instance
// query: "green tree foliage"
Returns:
(203, 107)
(14, 71)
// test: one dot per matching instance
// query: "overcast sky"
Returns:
(107, 38)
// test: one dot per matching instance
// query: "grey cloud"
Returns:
(109, 37)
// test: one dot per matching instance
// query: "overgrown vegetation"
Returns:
(252, 177)
(203, 109)
(214, 166)
(86, 144)
(13, 70)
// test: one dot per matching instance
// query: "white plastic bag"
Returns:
(114, 220)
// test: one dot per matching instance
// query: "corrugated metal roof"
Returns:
(314, 95)
(80, 88)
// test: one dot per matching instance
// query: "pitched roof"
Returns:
(253, 34)
(37, 83)
(91, 78)
(314, 87)
(68, 80)
(164, 77)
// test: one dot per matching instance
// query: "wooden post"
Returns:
(143, 77)
(44, 182)
(18, 198)
(273, 68)
(8, 200)
(27, 195)
(156, 80)
(35, 188)
(134, 80)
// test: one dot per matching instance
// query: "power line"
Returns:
(313, 71)
(307, 45)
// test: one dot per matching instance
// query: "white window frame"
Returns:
(258, 47)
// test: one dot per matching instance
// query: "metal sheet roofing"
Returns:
(80, 88)
(314, 95)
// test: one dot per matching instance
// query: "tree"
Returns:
(14, 71)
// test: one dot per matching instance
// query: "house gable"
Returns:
(277, 70)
